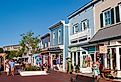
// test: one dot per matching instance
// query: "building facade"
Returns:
(45, 45)
(81, 30)
(11, 48)
(107, 20)
(59, 44)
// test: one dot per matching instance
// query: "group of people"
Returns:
(9, 67)
(56, 63)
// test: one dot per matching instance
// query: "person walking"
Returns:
(96, 71)
(7, 68)
(12, 66)
(58, 63)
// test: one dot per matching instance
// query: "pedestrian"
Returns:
(54, 64)
(7, 68)
(70, 67)
(0, 68)
(12, 66)
(96, 70)
(58, 63)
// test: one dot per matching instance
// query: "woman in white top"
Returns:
(7, 68)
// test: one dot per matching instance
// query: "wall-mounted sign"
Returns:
(103, 49)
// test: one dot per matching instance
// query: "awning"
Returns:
(107, 33)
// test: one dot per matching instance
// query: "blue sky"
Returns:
(20, 16)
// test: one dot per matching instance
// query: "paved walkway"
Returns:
(52, 77)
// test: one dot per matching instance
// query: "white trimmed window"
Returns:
(84, 25)
(59, 36)
(107, 17)
(53, 38)
(75, 28)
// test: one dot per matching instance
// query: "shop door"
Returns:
(113, 52)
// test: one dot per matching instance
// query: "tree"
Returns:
(1, 50)
(29, 43)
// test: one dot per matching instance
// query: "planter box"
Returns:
(31, 73)
(86, 70)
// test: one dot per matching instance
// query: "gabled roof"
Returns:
(46, 35)
(107, 33)
(91, 3)
(57, 24)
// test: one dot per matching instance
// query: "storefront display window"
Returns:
(86, 61)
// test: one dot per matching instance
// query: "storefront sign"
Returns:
(74, 49)
(54, 48)
(102, 49)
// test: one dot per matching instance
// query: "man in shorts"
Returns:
(12, 66)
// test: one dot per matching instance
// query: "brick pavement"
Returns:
(52, 77)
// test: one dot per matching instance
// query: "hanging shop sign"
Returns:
(103, 49)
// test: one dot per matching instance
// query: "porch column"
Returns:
(117, 58)
(51, 60)
(111, 60)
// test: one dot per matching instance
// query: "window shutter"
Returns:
(101, 20)
(117, 14)
(112, 16)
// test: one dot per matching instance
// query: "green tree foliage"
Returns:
(29, 43)
(1, 50)
(11, 54)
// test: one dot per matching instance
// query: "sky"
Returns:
(21, 16)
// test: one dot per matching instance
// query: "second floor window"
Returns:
(107, 17)
(75, 28)
(59, 36)
(53, 38)
(84, 25)
(110, 16)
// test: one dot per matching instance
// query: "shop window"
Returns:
(120, 57)
(92, 57)
(86, 61)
